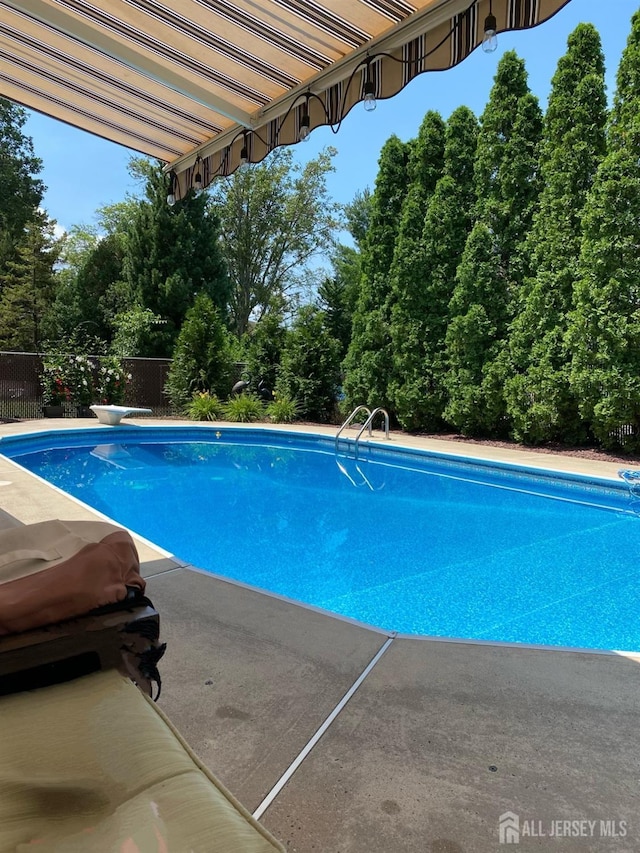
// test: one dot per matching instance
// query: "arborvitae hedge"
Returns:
(539, 399)
(367, 365)
(408, 293)
(604, 332)
(515, 310)
(506, 166)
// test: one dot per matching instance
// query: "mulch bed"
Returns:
(597, 454)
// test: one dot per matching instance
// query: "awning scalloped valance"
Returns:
(200, 83)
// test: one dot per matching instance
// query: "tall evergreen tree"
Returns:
(203, 356)
(507, 188)
(172, 254)
(337, 295)
(357, 215)
(367, 364)
(626, 99)
(27, 286)
(421, 399)
(408, 307)
(539, 398)
(506, 167)
(262, 350)
(22, 191)
(310, 367)
(479, 311)
(604, 332)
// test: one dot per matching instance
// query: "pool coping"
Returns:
(526, 459)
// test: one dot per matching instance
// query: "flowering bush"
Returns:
(80, 379)
(54, 381)
(112, 381)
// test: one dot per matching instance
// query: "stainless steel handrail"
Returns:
(349, 420)
(368, 424)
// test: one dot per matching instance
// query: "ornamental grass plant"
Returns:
(283, 410)
(244, 408)
(204, 406)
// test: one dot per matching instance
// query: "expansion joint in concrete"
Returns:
(304, 752)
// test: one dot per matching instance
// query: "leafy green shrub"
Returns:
(204, 406)
(244, 409)
(135, 331)
(263, 348)
(310, 366)
(283, 410)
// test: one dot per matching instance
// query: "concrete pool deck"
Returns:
(437, 740)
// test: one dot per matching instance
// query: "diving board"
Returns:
(112, 415)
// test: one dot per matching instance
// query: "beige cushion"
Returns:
(94, 765)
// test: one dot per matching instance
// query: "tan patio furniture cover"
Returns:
(56, 570)
(93, 766)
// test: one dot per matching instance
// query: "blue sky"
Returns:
(83, 172)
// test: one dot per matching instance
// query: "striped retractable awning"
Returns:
(202, 84)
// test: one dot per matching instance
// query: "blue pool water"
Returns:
(406, 541)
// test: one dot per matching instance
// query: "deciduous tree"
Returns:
(275, 218)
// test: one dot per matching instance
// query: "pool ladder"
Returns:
(371, 415)
(632, 479)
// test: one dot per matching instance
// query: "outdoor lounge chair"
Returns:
(87, 760)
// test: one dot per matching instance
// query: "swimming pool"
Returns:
(404, 540)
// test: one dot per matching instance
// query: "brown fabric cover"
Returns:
(56, 570)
